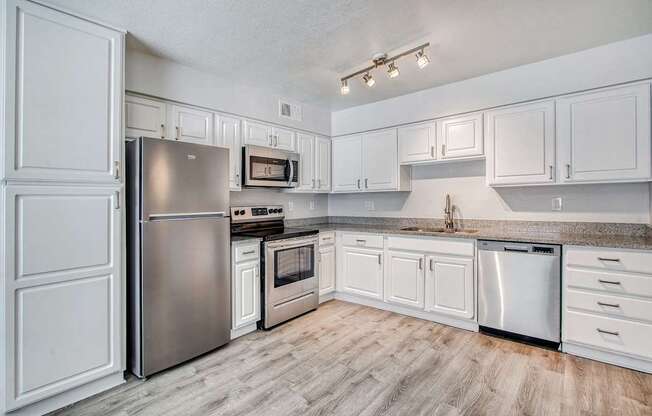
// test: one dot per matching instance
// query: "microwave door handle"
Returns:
(291, 172)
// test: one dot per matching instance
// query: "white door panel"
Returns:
(257, 134)
(347, 164)
(306, 150)
(228, 135)
(144, 117)
(326, 269)
(192, 125)
(363, 272)
(404, 279)
(417, 143)
(460, 137)
(380, 160)
(283, 139)
(323, 163)
(449, 286)
(247, 294)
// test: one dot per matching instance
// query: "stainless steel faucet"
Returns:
(448, 219)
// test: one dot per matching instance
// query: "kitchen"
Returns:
(450, 217)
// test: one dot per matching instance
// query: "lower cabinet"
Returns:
(245, 284)
(326, 270)
(404, 278)
(362, 272)
(449, 286)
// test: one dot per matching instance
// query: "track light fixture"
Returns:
(392, 69)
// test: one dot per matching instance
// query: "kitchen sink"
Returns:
(439, 230)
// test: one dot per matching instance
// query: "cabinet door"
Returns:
(283, 139)
(64, 93)
(326, 269)
(228, 135)
(460, 137)
(246, 293)
(363, 272)
(62, 256)
(404, 278)
(347, 164)
(257, 134)
(417, 143)
(449, 286)
(145, 117)
(605, 135)
(380, 161)
(323, 164)
(191, 125)
(521, 144)
(306, 150)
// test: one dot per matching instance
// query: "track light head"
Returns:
(392, 70)
(422, 59)
(369, 80)
(344, 89)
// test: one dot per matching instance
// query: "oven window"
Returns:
(294, 264)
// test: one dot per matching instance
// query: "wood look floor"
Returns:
(346, 359)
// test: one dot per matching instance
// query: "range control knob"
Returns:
(242, 211)
(279, 210)
(236, 212)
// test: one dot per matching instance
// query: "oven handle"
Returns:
(291, 243)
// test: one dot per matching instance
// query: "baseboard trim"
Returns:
(326, 297)
(428, 316)
(69, 397)
(620, 360)
(236, 333)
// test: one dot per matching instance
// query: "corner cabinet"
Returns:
(369, 163)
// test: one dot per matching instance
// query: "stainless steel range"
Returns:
(290, 284)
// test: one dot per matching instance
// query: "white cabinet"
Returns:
(326, 269)
(368, 163)
(245, 284)
(604, 135)
(460, 137)
(323, 164)
(283, 139)
(347, 164)
(227, 130)
(64, 96)
(449, 286)
(306, 150)
(191, 124)
(362, 272)
(62, 300)
(261, 134)
(521, 144)
(417, 143)
(144, 117)
(404, 278)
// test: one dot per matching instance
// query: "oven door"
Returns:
(270, 168)
(290, 268)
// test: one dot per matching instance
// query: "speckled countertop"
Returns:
(641, 242)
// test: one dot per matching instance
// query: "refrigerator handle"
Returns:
(186, 215)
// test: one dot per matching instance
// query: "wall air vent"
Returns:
(289, 110)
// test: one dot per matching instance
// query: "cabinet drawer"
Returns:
(613, 305)
(327, 238)
(456, 246)
(609, 333)
(626, 284)
(246, 252)
(602, 258)
(363, 240)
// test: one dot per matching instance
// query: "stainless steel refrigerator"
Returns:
(178, 252)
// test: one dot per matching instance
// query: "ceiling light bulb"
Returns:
(422, 59)
(369, 80)
(344, 89)
(392, 70)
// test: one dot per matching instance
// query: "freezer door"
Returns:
(186, 301)
(183, 178)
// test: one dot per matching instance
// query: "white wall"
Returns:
(301, 202)
(465, 182)
(159, 77)
(610, 64)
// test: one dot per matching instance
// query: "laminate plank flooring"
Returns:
(347, 359)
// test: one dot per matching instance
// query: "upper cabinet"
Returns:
(323, 164)
(314, 163)
(368, 163)
(191, 124)
(227, 132)
(144, 117)
(460, 137)
(65, 77)
(521, 144)
(261, 134)
(417, 143)
(604, 135)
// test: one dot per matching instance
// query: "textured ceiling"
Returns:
(300, 48)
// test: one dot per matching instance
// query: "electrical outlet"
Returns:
(556, 203)
(369, 205)
(311, 205)
(290, 205)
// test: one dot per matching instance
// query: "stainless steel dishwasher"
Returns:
(519, 290)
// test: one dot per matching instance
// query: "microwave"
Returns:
(271, 168)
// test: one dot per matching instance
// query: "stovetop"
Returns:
(265, 222)
(277, 233)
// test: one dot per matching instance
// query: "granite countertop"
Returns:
(562, 238)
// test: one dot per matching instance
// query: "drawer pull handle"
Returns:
(327, 238)
(610, 305)
(602, 331)
(608, 259)
(361, 241)
(608, 282)
(248, 252)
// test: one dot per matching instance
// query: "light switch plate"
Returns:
(290, 205)
(369, 205)
(311, 205)
(557, 203)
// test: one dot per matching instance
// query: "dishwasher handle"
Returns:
(517, 249)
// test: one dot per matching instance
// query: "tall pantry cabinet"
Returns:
(62, 313)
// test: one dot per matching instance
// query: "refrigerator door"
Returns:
(186, 301)
(183, 178)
